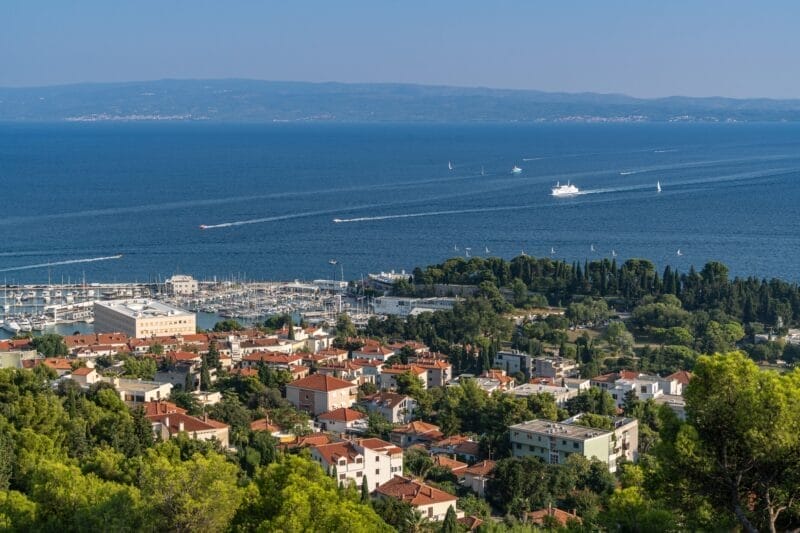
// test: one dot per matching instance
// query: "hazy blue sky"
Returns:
(638, 47)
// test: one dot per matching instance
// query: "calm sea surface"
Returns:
(270, 194)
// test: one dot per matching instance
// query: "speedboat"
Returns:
(516, 170)
(565, 190)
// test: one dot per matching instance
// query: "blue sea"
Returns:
(269, 195)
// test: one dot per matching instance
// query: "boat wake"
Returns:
(59, 263)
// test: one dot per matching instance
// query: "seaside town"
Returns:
(442, 404)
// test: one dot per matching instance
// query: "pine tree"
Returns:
(450, 524)
(364, 490)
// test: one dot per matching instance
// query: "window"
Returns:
(377, 471)
(359, 474)
(430, 512)
(377, 458)
(531, 447)
(575, 445)
(342, 476)
(359, 460)
(644, 389)
(518, 445)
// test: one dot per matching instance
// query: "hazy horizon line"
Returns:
(396, 83)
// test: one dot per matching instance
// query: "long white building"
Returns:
(142, 318)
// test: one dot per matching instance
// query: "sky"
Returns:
(638, 47)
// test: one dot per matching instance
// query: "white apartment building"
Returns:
(142, 318)
(374, 459)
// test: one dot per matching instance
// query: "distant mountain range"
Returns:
(235, 100)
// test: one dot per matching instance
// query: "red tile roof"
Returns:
(161, 407)
(472, 523)
(190, 423)
(385, 399)
(482, 469)
(333, 453)
(321, 383)
(342, 415)
(402, 369)
(83, 371)
(57, 363)
(262, 424)
(681, 376)
(457, 467)
(414, 492)
(380, 445)
(537, 517)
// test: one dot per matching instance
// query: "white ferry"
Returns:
(565, 190)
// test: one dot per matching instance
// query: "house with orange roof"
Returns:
(445, 461)
(346, 370)
(370, 368)
(263, 424)
(418, 347)
(276, 361)
(459, 445)
(396, 408)
(354, 460)
(61, 365)
(169, 425)
(319, 393)
(432, 503)
(415, 432)
(373, 350)
(477, 476)
(343, 420)
(439, 372)
(472, 523)
(85, 376)
(676, 383)
(387, 380)
(327, 355)
(547, 517)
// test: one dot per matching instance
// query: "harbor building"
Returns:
(142, 318)
(181, 285)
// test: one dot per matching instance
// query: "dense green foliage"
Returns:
(78, 460)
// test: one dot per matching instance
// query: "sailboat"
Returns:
(679, 252)
(483, 172)
(613, 253)
(455, 247)
(467, 251)
(552, 251)
(486, 250)
(591, 247)
(658, 186)
(449, 165)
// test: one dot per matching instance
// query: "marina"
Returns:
(62, 307)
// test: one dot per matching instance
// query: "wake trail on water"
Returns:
(59, 263)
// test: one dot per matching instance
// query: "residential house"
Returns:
(85, 376)
(415, 432)
(546, 517)
(343, 420)
(477, 476)
(353, 460)
(554, 367)
(388, 376)
(514, 361)
(458, 445)
(561, 394)
(396, 408)
(319, 394)
(432, 503)
(373, 350)
(169, 420)
(449, 463)
(439, 372)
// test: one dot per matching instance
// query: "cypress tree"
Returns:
(364, 490)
